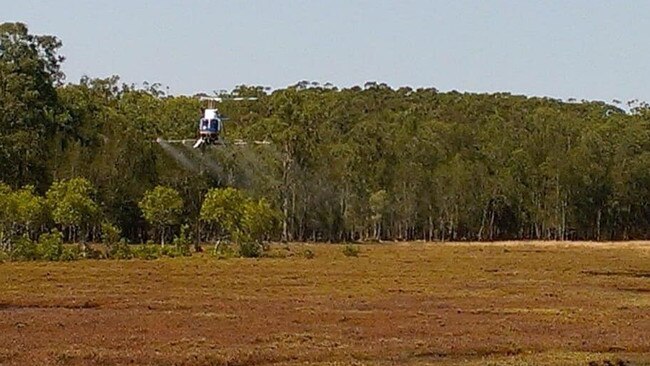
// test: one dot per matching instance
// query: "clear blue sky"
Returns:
(570, 48)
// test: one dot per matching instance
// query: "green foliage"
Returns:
(345, 164)
(21, 212)
(24, 249)
(350, 250)
(29, 71)
(71, 253)
(225, 209)
(175, 251)
(6, 212)
(28, 208)
(110, 233)
(223, 250)
(250, 249)
(260, 221)
(152, 251)
(120, 250)
(161, 207)
(182, 243)
(71, 203)
(88, 252)
(378, 203)
(240, 218)
(50, 246)
(147, 251)
(168, 251)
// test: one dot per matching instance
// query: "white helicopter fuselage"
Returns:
(210, 126)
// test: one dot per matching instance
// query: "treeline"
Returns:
(358, 163)
(34, 227)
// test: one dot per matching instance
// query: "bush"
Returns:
(168, 251)
(182, 243)
(351, 250)
(250, 249)
(175, 251)
(223, 250)
(24, 249)
(71, 253)
(110, 233)
(120, 250)
(89, 253)
(50, 246)
(147, 252)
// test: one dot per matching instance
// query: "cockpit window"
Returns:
(214, 124)
(204, 124)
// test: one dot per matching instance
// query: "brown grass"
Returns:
(414, 304)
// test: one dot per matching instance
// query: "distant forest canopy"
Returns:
(360, 163)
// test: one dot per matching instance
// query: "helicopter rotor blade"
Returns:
(241, 98)
(183, 141)
(240, 142)
(221, 99)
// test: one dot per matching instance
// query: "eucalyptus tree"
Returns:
(72, 207)
(29, 73)
(162, 208)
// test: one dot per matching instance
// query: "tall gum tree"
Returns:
(29, 73)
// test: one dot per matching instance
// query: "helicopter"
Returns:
(210, 127)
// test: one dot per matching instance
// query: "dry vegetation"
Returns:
(510, 304)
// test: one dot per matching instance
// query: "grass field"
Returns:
(412, 304)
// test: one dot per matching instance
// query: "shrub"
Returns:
(351, 250)
(174, 251)
(120, 250)
(24, 249)
(250, 249)
(110, 233)
(223, 250)
(182, 243)
(147, 252)
(71, 254)
(238, 217)
(89, 253)
(168, 252)
(50, 246)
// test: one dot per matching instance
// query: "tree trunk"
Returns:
(162, 236)
(286, 166)
(483, 218)
(491, 227)
(598, 220)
